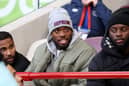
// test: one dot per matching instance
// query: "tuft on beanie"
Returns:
(59, 17)
(120, 16)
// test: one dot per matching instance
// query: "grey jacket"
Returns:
(74, 59)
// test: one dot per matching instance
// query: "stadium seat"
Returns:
(95, 42)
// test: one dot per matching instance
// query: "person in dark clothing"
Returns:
(9, 53)
(100, 15)
(114, 55)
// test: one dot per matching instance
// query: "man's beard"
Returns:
(123, 47)
(61, 47)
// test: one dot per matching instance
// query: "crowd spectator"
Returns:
(100, 15)
(115, 50)
(9, 53)
(63, 51)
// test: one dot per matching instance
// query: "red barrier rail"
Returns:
(27, 76)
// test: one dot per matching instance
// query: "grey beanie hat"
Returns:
(59, 17)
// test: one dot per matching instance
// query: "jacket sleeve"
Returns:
(83, 62)
(103, 12)
(95, 65)
(36, 65)
(33, 64)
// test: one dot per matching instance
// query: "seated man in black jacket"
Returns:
(114, 55)
(10, 55)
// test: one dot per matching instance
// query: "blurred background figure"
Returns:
(89, 16)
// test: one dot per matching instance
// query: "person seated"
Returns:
(64, 51)
(114, 55)
(92, 21)
(9, 53)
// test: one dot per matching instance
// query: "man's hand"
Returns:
(19, 80)
(87, 2)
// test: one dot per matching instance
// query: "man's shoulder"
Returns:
(43, 45)
(41, 51)
(41, 48)
(20, 57)
(83, 44)
(99, 58)
(99, 62)
(21, 62)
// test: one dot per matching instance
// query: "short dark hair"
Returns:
(5, 35)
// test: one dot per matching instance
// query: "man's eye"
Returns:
(11, 46)
(56, 31)
(124, 29)
(113, 30)
(3, 49)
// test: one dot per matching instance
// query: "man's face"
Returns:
(7, 49)
(62, 37)
(119, 34)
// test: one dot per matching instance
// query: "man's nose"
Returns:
(8, 52)
(61, 33)
(118, 33)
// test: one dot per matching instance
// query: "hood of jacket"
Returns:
(59, 17)
(51, 46)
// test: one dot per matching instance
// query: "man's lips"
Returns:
(120, 41)
(10, 59)
(62, 41)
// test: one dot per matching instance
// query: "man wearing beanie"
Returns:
(63, 51)
(114, 55)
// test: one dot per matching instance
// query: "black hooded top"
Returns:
(110, 58)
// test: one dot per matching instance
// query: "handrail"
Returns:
(28, 76)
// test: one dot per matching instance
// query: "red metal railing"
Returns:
(28, 76)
